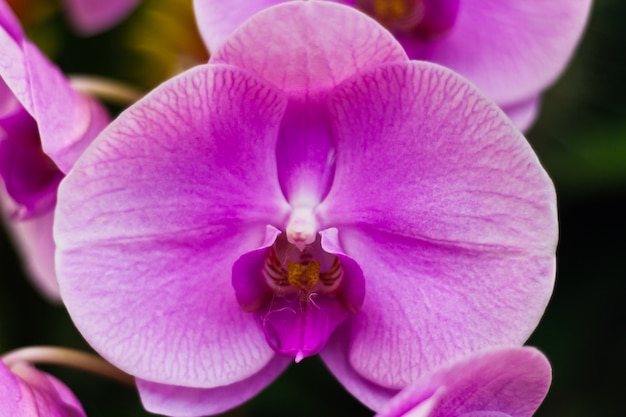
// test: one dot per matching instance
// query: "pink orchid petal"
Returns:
(292, 325)
(195, 402)
(472, 179)
(68, 121)
(30, 178)
(446, 300)
(217, 19)
(299, 333)
(305, 147)
(524, 113)
(470, 243)
(494, 383)
(33, 238)
(10, 395)
(509, 49)
(251, 290)
(13, 69)
(9, 22)
(152, 218)
(352, 288)
(305, 152)
(92, 16)
(40, 395)
(303, 50)
(335, 356)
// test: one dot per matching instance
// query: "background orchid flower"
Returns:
(27, 392)
(44, 126)
(504, 382)
(511, 50)
(92, 16)
(308, 190)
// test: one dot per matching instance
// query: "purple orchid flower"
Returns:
(504, 382)
(511, 50)
(37, 100)
(308, 190)
(28, 392)
(92, 16)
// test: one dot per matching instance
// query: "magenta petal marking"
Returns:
(180, 401)
(439, 17)
(352, 290)
(318, 33)
(301, 329)
(250, 288)
(30, 177)
(305, 151)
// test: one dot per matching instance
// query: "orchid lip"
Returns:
(299, 291)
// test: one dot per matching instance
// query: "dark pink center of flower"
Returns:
(425, 19)
(308, 272)
(299, 291)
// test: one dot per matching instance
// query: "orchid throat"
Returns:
(299, 290)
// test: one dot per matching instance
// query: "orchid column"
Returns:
(307, 191)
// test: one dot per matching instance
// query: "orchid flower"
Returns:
(503, 382)
(28, 392)
(36, 102)
(92, 16)
(309, 190)
(512, 50)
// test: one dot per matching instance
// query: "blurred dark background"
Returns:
(580, 137)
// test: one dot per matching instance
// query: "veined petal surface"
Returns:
(303, 49)
(152, 218)
(509, 49)
(217, 19)
(27, 392)
(67, 120)
(443, 204)
(504, 382)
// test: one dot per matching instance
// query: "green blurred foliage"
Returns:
(580, 137)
